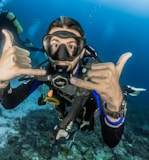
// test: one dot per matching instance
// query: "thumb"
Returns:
(8, 39)
(122, 61)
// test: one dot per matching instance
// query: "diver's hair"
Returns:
(70, 23)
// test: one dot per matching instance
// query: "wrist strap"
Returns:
(114, 124)
(116, 115)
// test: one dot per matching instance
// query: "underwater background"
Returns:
(112, 27)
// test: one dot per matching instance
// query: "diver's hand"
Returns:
(15, 61)
(104, 78)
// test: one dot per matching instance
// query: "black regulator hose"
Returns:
(75, 109)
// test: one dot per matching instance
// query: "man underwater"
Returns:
(76, 78)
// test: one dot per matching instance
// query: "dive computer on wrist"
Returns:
(116, 115)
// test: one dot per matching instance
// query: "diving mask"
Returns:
(60, 51)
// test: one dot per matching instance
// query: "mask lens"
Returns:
(71, 45)
(72, 49)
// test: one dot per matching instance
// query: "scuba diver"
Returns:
(80, 84)
(9, 21)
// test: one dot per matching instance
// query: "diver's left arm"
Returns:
(104, 78)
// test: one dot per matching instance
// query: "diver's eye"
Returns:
(71, 49)
(54, 47)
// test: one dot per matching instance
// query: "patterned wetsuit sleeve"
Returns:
(111, 136)
(10, 98)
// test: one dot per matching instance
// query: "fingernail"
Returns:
(43, 72)
(73, 80)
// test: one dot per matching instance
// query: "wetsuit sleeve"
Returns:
(10, 98)
(111, 136)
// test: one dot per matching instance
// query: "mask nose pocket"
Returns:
(62, 53)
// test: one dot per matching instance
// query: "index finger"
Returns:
(21, 51)
(83, 84)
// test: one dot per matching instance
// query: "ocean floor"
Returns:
(25, 130)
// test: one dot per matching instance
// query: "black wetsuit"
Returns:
(10, 98)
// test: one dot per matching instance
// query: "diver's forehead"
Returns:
(64, 29)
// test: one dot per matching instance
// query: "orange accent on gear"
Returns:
(50, 93)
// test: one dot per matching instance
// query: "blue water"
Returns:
(112, 27)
